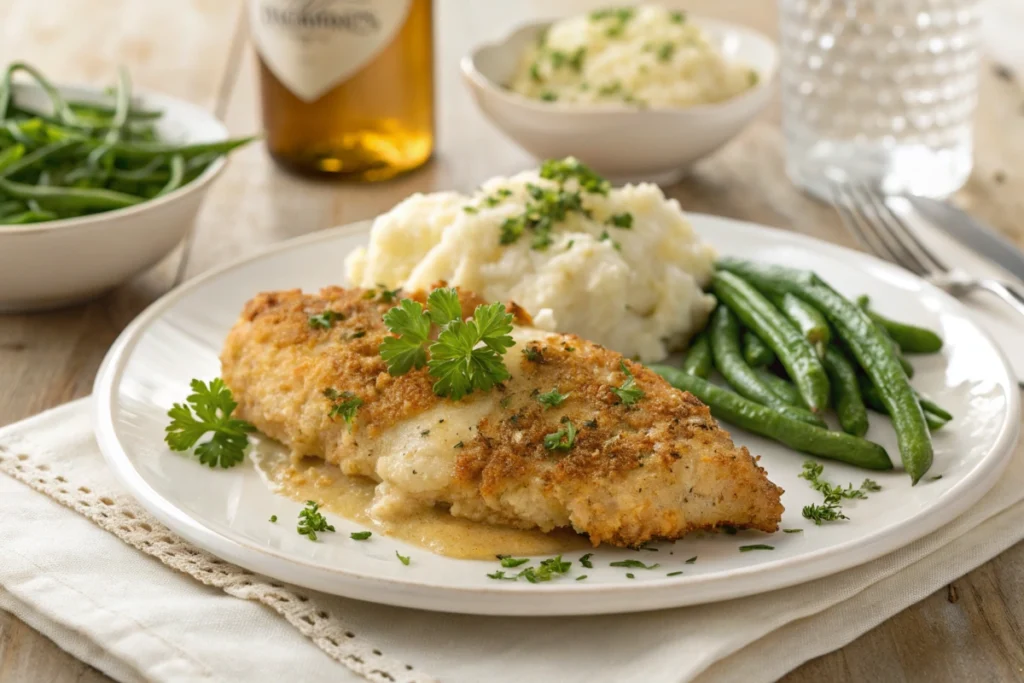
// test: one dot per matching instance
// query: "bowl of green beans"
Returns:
(96, 184)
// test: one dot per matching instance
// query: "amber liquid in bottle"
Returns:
(371, 122)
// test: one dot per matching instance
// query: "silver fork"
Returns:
(865, 213)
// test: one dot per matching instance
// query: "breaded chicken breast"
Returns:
(654, 469)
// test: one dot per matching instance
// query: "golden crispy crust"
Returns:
(656, 469)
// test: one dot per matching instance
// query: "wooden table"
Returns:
(972, 629)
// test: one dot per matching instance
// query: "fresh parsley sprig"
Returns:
(208, 409)
(552, 399)
(467, 355)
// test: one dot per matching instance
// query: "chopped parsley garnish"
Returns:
(677, 17)
(792, 531)
(470, 209)
(548, 570)
(535, 73)
(619, 18)
(273, 519)
(622, 220)
(459, 445)
(585, 561)
(756, 546)
(360, 535)
(345, 405)
(833, 494)
(358, 334)
(608, 89)
(311, 521)
(563, 439)
(467, 354)
(692, 560)
(823, 513)
(673, 574)
(383, 294)
(533, 354)
(500, 576)
(325, 320)
(404, 559)
(548, 96)
(570, 168)
(753, 77)
(581, 577)
(208, 409)
(547, 206)
(935, 478)
(509, 562)
(633, 564)
(606, 237)
(629, 393)
(552, 399)
(573, 60)
(665, 52)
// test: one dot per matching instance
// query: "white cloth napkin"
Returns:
(136, 619)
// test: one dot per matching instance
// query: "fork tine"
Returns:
(906, 235)
(863, 199)
(857, 222)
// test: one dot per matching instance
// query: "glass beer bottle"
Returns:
(346, 85)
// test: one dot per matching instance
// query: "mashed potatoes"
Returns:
(645, 56)
(621, 267)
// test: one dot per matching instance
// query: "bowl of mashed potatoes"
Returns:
(637, 93)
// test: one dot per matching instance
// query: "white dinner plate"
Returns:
(226, 511)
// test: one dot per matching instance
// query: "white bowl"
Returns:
(46, 265)
(621, 142)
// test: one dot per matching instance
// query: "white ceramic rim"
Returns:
(468, 66)
(774, 575)
(154, 98)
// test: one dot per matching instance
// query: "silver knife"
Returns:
(968, 231)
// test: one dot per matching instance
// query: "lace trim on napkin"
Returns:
(125, 519)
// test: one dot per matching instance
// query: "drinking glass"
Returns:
(882, 91)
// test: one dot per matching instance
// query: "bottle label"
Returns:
(312, 45)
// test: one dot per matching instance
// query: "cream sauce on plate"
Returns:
(431, 528)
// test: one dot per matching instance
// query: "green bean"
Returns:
(34, 157)
(725, 350)
(930, 406)
(730, 407)
(756, 352)
(148, 150)
(122, 104)
(935, 420)
(60, 107)
(853, 416)
(904, 363)
(698, 358)
(31, 216)
(75, 199)
(177, 174)
(103, 110)
(793, 350)
(911, 338)
(871, 349)
(10, 156)
(808, 320)
(783, 388)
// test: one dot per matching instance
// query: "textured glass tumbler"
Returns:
(882, 91)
